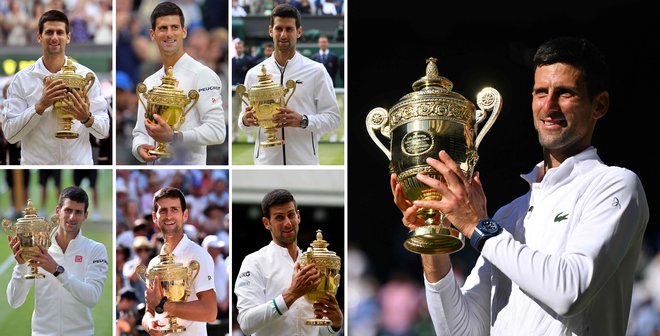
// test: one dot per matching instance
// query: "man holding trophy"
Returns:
(189, 125)
(198, 304)
(75, 270)
(39, 102)
(312, 109)
(271, 281)
(561, 258)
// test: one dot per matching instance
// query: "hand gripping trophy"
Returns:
(175, 281)
(168, 102)
(73, 81)
(328, 265)
(265, 97)
(420, 125)
(32, 232)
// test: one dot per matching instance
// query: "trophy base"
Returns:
(34, 276)
(272, 143)
(160, 153)
(320, 322)
(172, 329)
(67, 135)
(434, 239)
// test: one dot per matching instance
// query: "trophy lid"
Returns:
(30, 215)
(265, 81)
(320, 253)
(69, 76)
(166, 263)
(168, 86)
(432, 97)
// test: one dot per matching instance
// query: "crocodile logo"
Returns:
(560, 217)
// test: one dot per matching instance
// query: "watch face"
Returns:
(490, 226)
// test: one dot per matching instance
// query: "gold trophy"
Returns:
(32, 231)
(73, 81)
(265, 97)
(328, 264)
(168, 102)
(175, 280)
(420, 125)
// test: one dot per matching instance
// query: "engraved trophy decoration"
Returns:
(328, 264)
(32, 231)
(73, 81)
(175, 280)
(420, 125)
(265, 97)
(168, 102)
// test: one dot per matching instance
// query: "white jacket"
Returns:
(204, 124)
(263, 277)
(63, 304)
(39, 146)
(564, 264)
(314, 97)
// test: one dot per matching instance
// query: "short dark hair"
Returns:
(75, 194)
(285, 11)
(580, 53)
(276, 197)
(169, 192)
(164, 9)
(53, 15)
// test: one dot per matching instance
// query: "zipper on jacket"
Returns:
(313, 148)
(282, 70)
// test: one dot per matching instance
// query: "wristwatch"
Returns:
(304, 122)
(177, 137)
(59, 270)
(161, 306)
(487, 228)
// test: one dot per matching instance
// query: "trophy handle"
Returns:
(53, 224)
(193, 96)
(241, 91)
(193, 266)
(141, 270)
(89, 80)
(290, 85)
(6, 227)
(141, 88)
(490, 101)
(377, 120)
(337, 279)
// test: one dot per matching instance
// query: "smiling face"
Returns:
(54, 38)
(564, 115)
(284, 34)
(71, 215)
(169, 217)
(283, 224)
(169, 35)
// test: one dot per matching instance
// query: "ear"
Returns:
(270, 30)
(153, 217)
(600, 105)
(39, 37)
(185, 32)
(152, 34)
(57, 211)
(266, 223)
(300, 31)
(298, 214)
(185, 216)
(68, 37)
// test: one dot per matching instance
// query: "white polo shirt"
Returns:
(563, 265)
(184, 252)
(63, 304)
(204, 125)
(263, 277)
(39, 146)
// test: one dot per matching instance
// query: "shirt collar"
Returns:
(282, 251)
(557, 174)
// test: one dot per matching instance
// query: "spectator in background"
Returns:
(305, 7)
(143, 252)
(216, 248)
(328, 58)
(44, 176)
(16, 23)
(237, 10)
(240, 64)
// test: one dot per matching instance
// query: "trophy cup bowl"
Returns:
(328, 264)
(175, 280)
(73, 81)
(421, 124)
(168, 102)
(32, 232)
(265, 97)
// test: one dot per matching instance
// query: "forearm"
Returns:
(259, 316)
(192, 310)
(100, 125)
(435, 266)
(18, 287)
(87, 291)
(17, 125)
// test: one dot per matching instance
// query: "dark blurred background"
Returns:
(480, 45)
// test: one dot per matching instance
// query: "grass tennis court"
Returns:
(329, 153)
(18, 320)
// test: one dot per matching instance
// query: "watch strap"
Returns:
(160, 307)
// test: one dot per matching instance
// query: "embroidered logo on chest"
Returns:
(78, 259)
(560, 217)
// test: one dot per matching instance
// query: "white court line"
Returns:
(7, 263)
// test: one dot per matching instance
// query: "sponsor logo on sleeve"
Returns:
(209, 88)
(100, 261)
(244, 274)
